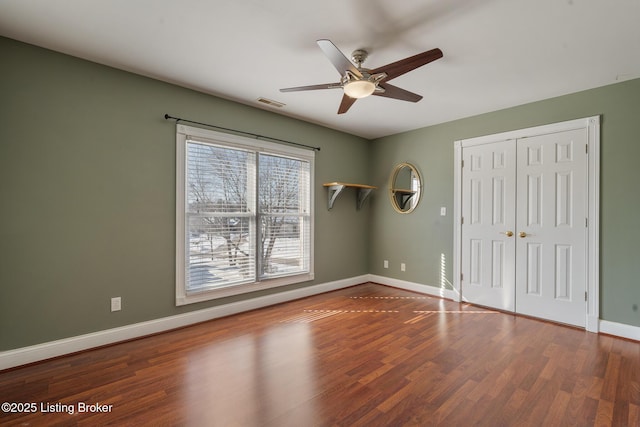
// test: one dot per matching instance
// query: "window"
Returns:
(244, 215)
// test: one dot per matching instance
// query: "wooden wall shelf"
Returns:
(335, 188)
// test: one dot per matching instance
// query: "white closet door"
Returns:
(551, 228)
(488, 211)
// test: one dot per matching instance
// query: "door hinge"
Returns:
(585, 296)
(586, 222)
(586, 148)
(463, 163)
(462, 220)
(461, 277)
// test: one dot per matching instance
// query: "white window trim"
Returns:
(182, 134)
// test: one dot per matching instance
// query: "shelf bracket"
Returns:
(363, 193)
(333, 192)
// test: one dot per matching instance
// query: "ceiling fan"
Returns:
(358, 82)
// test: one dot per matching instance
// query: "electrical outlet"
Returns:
(443, 211)
(386, 263)
(403, 267)
(116, 304)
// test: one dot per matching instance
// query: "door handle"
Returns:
(508, 233)
(522, 234)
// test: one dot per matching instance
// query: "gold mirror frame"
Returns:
(405, 188)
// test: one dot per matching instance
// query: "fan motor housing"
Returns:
(359, 56)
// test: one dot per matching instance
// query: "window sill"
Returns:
(183, 298)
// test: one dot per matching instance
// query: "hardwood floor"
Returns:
(367, 355)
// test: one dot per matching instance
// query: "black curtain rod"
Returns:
(178, 119)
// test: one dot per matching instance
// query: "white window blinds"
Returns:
(247, 217)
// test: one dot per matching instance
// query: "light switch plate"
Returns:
(116, 304)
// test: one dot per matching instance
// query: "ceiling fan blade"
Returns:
(395, 92)
(398, 68)
(346, 103)
(312, 87)
(337, 58)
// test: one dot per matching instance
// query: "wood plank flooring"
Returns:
(369, 355)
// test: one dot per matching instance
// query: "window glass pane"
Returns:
(220, 252)
(283, 185)
(219, 220)
(284, 245)
(283, 195)
(217, 178)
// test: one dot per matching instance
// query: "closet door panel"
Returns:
(551, 214)
(488, 210)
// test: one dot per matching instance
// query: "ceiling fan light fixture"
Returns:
(357, 82)
(359, 88)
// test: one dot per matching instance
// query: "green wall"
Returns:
(423, 239)
(87, 190)
(87, 177)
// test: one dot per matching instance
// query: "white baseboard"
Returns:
(620, 330)
(48, 350)
(38, 352)
(412, 286)
(594, 325)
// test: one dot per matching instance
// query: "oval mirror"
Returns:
(405, 186)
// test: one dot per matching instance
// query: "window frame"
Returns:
(183, 133)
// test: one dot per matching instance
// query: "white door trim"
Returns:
(592, 124)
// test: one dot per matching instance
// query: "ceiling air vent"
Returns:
(271, 102)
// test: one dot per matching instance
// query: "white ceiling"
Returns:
(497, 53)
